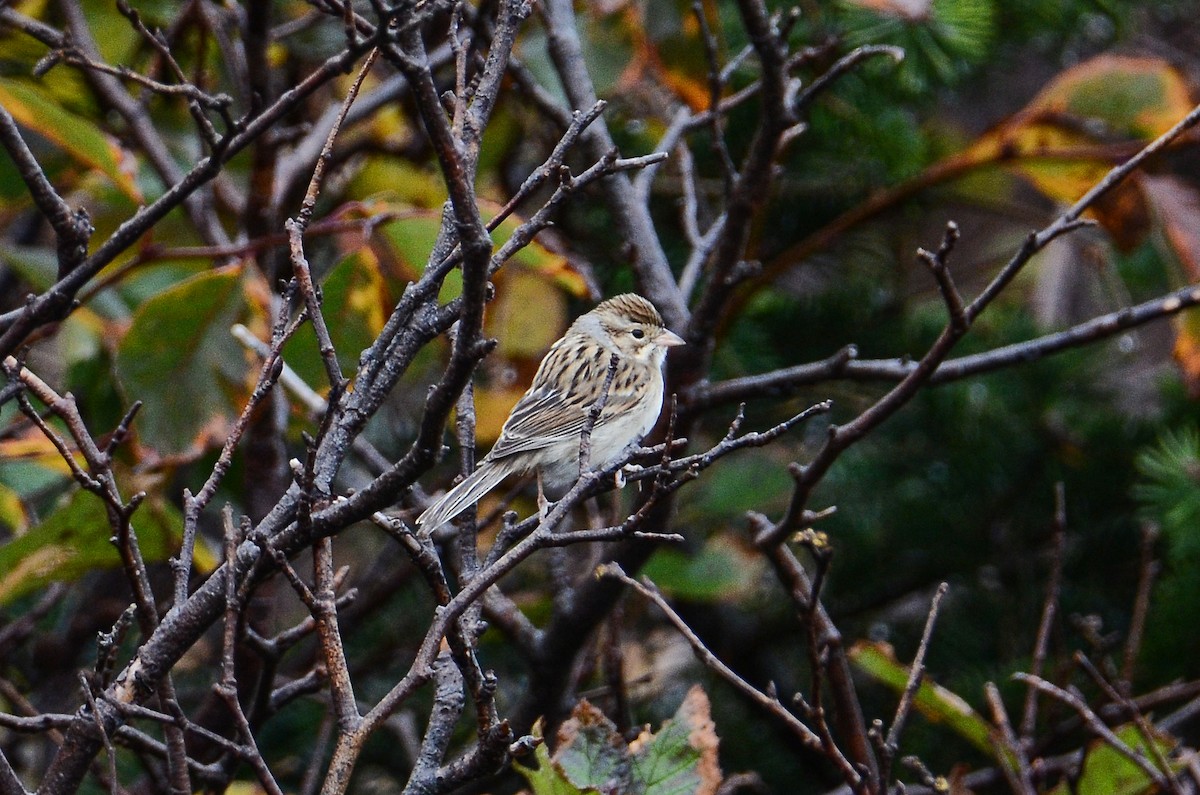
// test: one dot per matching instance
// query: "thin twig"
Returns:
(1013, 759)
(716, 86)
(318, 173)
(227, 688)
(1049, 608)
(770, 704)
(915, 675)
(1148, 571)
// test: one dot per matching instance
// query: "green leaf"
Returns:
(755, 482)
(933, 701)
(37, 110)
(148, 280)
(592, 757)
(1107, 772)
(179, 358)
(39, 267)
(591, 752)
(548, 778)
(681, 759)
(1135, 97)
(407, 240)
(74, 540)
(721, 570)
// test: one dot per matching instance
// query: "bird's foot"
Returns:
(544, 507)
(628, 469)
(544, 504)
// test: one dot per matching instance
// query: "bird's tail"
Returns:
(459, 498)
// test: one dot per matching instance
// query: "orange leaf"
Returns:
(1187, 350)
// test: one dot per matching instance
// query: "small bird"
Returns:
(543, 430)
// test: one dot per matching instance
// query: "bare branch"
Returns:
(915, 674)
(1096, 726)
(845, 366)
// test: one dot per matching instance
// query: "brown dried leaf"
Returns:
(1177, 206)
(696, 712)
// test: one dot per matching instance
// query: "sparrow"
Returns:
(543, 430)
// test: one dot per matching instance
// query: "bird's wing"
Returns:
(549, 415)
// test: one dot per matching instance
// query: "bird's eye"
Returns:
(638, 333)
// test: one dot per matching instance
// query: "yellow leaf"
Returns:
(1058, 161)
(245, 788)
(398, 182)
(524, 333)
(38, 565)
(34, 446)
(491, 410)
(12, 511)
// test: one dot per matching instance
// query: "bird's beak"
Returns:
(669, 339)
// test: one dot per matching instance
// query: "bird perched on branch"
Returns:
(543, 431)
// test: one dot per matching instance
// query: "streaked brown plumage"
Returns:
(543, 430)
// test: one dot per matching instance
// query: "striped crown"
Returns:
(633, 307)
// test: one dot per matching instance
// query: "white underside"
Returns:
(608, 440)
